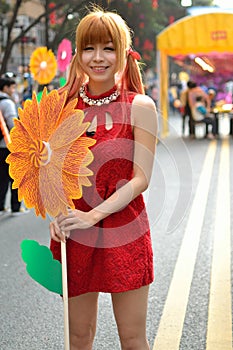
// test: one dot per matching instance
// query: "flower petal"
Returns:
(52, 192)
(84, 181)
(29, 192)
(29, 116)
(72, 184)
(69, 109)
(50, 109)
(77, 159)
(20, 139)
(19, 166)
(70, 130)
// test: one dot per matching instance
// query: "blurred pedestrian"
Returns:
(200, 114)
(188, 100)
(9, 112)
(212, 97)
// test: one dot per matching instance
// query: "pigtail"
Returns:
(132, 77)
(74, 81)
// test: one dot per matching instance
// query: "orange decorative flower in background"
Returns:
(43, 65)
(49, 154)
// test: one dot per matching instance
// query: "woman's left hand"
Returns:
(75, 219)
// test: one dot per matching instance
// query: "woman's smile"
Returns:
(100, 64)
(99, 69)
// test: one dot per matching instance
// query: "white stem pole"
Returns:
(65, 296)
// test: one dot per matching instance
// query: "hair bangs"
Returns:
(95, 32)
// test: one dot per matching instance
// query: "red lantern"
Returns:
(136, 41)
(171, 19)
(154, 4)
(148, 45)
(130, 4)
(52, 16)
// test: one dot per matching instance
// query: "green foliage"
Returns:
(202, 2)
(4, 7)
(136, 12)
(146, 22)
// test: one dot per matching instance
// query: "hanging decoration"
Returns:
(155, 4)
(130, 4)
(43, 65)
(171, 19)
(136, 41)
(64, 54)
(141, 25)
(148, 45)
(52, 16)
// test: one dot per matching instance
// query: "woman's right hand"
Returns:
(56, 234)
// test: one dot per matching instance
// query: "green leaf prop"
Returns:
(41, 266)
(62, 81)
(39, 96)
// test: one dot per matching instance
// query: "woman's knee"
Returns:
(82, 337)
(133, 342)
(82, 321)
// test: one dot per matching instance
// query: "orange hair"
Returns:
(97, 27)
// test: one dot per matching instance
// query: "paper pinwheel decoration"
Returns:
(48, 162)
(43, 65)
(49, 156)
(64, 54)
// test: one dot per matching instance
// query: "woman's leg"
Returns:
(130, 310)
(82, 321)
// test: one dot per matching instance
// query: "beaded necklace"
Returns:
(97, 102)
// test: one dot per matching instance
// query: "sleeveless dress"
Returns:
(116, 254)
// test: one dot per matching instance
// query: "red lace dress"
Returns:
(115, 255)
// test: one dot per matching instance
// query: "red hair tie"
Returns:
(134, 54)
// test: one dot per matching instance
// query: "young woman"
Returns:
(108, 236)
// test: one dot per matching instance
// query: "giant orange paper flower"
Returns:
(49, 154)
(43, 65)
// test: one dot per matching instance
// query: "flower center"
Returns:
(63, 55)
(40, 153)
(43, 65)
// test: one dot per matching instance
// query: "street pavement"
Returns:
(189, 204)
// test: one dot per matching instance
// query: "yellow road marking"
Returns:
(171, 323)
(219, 331)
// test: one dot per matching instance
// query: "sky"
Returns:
(224, 3)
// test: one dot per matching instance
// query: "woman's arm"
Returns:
(144, 120)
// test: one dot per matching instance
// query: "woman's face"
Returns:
(99, 62)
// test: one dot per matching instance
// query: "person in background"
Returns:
(212, 97)
(188, 100)
(116, 256)
(9, 112)
(200, 114)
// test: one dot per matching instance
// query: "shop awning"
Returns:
(199, 34)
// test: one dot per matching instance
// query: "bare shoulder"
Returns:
(144, 115)
(144, 101)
